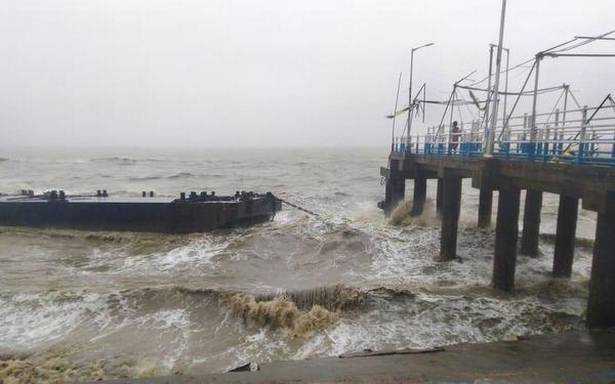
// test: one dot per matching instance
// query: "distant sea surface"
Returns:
(89, 305)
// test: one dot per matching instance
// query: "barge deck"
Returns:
(192, 213)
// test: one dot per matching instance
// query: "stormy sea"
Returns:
(90, 305)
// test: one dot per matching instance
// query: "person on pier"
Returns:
(455, 133)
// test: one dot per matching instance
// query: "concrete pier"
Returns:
(565, 236)
(601, 303)
(593, 185)
(506, 233)
(485, 202)
(395, 189)
(419, 195)
(531, 222)
(451, 203)
(439, 197)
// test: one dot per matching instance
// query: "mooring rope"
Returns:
(298, 207)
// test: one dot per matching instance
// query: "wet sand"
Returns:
(572, 357)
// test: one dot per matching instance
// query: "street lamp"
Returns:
(410, 106)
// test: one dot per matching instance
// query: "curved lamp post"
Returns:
(410, 105)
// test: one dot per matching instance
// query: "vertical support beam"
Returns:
(485, 203)
(420, 194)
(565, 236)
(601, 303)
(531, 222)
(451, 193)
(439, 196)
(506, 234)
(395, 188)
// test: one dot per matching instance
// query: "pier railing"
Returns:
(582, 136)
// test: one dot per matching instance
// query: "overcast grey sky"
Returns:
(259, 73)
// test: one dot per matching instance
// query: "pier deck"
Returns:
(590, 182)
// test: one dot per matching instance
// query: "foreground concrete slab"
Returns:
(574, 357)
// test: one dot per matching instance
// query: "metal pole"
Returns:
(567, 88)
(581, 149)
(556, 133)
(506, 89)
(424, 99)
(533, 130)
(410, 106)
(498, 65)
(410, 103)
(486, 116)
(395, 112)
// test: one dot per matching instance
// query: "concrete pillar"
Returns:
(601, 304)
(506, 233)
(420, 194)
(395, 188)
(439, 197)
(451, 202)
(485, 202)
(565, 236)
(531, 222)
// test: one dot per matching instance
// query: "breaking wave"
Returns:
(118, 160)
(85, 305)
(281, 312)
(401, 215)
(181, 175)
(186, 318)
(175, 176)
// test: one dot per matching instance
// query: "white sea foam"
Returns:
(29, 320)
(128, 311)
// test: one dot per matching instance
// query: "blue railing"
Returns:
(576, 139)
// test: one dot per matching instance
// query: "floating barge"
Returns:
(193, 213)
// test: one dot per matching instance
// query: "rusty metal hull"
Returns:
(137, 214)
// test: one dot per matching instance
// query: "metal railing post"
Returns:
(554, 151)
(545, 145)
(580, 153)
(524, 137)
(534, 126)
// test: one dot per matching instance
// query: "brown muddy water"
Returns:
(89, 305)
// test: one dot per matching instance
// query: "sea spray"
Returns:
(333, 298)
(132, 272)
(401, 215)
(282, 313)
(55, 366)
(297, 313)
(47, 370)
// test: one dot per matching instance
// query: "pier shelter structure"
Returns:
(570, 154)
